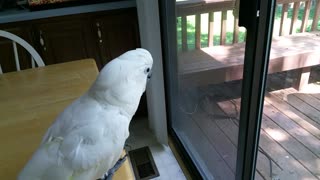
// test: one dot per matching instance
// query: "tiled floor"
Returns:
(140, 136)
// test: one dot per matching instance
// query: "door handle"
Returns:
(42, 41)
(99, 32)
(247, 10)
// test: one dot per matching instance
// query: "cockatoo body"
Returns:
(88, 137)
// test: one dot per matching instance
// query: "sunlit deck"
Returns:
(225, 63)
(290, 131)
(210, 68)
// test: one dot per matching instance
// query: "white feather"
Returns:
(87, 138)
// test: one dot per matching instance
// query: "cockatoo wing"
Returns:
(79, 140)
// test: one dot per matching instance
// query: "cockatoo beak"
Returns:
(149, 75)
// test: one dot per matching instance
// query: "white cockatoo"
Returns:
(87, 138)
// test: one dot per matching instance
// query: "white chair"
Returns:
(35, 57)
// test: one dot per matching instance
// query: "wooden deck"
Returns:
(290, 133)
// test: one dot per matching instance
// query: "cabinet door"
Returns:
(65, 40)
(7, 59)
(117, 32)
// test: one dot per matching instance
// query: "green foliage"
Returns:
(290, 12)
(229, 35)
(278, 12)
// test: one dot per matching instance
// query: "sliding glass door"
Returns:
(210, 51)
(289, 146)
(215, 78)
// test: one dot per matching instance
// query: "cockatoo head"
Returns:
(123, 80)
(138, 64)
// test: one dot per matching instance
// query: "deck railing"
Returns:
(198, 7)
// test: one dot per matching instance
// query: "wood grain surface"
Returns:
(30, 100)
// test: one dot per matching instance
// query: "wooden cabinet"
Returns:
(116, 33)
(102, 36)
(64, 40)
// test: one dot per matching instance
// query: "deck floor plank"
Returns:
(218, 139)
(199, 143)
(299, 104)
(295, 115)
(290, 130)
(311, 142)
(316, 96)
(230, 128)
(299, 152)
(307, 98)
(230, 125)
(302, 138)
(284, 91)
(291, 167)
(290, 142)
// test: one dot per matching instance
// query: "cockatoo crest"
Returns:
(124, 79)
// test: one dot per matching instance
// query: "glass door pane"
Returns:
(210, 54)
(289, 145)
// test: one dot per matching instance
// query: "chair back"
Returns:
(35, 57)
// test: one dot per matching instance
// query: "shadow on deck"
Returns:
(289, 145)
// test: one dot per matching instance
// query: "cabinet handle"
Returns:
(99, 32)
(42, 41)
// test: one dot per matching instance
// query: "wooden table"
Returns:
(30, 100)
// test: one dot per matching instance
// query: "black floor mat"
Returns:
(143, 164)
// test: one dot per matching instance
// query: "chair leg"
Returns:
(303, 79)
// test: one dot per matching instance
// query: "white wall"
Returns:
(149, 25)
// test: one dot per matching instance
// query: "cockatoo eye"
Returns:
(147, 70)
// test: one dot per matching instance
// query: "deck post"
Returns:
(293, 26)
(184, 38)
(316, 16)
(223, 27)
(210, 29)
(303, 79)
(198, 31)
(283, 23)
(305, 16)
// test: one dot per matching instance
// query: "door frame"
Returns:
(169, 52)
(150, 38)
(257, 16)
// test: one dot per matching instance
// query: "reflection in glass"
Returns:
(210, 63)
(210, 49)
